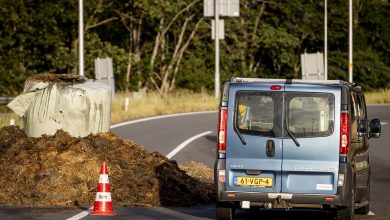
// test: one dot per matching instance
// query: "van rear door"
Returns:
(254, 137)
(311, 163)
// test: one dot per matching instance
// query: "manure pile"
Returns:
(61, 170)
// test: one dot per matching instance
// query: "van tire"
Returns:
(365, 209)
(225, 213)
(347, 212)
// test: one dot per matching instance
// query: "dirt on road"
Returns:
(61, 170)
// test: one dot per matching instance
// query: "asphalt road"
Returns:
(380, 162)
(166, 134)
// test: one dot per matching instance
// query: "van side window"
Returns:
(310, 115)
(354, 116)
(362, 107)
(355, 107)
(255, 113)
(363, 123)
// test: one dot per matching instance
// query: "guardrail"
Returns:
(6, 100)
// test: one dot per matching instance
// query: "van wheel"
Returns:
(347, 212)
(363, 210)
(225, 212)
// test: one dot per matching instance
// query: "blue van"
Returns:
(285, 144)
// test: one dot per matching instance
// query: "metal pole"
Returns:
(326, 39)
(81, 38)
(350, 43)
(216, 81)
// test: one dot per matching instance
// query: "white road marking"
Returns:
(170, 155)
(157, 117)
(370, 213)
(383, 123)
(185, 143)
(81, 215)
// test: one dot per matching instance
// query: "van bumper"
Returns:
(290, 200)
(341, 199)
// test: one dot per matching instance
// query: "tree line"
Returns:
(164, 45)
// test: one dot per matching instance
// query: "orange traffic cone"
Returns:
(103, 203)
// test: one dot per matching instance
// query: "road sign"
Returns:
(104, 72)
(103, 68)
(216, 8)
(312, 66)
(221, 33)
(228, 8)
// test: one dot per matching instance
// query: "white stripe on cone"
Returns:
(103, 178)
(103, 197)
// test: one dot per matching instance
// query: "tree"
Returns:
(162, 45)
(371, 70)
(170, 44)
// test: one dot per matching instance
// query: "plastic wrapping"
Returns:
(79, 109)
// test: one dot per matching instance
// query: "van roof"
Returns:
(288, 81)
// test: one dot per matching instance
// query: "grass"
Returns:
(153, 104)
(5, 119)
(141, 106)
(6, 115)
(378, 97)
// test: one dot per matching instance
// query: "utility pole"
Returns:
(81, 38)
(214, 9)
(217, 78)
(350, 57)
(326, 39)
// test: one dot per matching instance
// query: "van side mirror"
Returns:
(375, 128)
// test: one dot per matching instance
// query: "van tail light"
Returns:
(222, 130)
(344, 133)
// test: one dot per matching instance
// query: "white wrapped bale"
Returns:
(79, 109)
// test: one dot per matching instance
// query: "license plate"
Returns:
(252, 181)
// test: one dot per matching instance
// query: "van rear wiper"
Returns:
(238, 133)
(292, 137)
(289, 132)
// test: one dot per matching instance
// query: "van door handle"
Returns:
(270, 148)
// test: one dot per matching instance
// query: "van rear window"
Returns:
(310, 114)
(255, 113)
(268, 113)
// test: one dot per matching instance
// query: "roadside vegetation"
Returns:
(6, 115)
(142, 105)
(152, 104)
(378, 97)
(164, 45)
